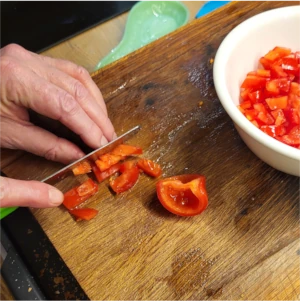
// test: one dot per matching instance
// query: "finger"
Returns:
(75, 88)
(32, 91)
(80, 74)
(37, 141)
(28, 194)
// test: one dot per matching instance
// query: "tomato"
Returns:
(184, 195)
(149, 167)
(127, 179)
(270, 97)
(83, 168)
(79, 194)
(125, 150)
(107, 160)
(84, 213)
(102, 175)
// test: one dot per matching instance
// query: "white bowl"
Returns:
(239, 54)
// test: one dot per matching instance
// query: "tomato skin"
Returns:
(128, 178)
(79, 194)
(183, 195)
(101, 176)
(84, 213)
(125, 150)
(149, 167)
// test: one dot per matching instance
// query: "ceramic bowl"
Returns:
(239, 54)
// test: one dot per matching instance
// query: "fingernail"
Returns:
(103, 140)
(55, 196)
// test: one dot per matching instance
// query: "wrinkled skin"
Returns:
(59, 90)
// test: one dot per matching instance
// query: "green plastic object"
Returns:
(147, 21)
(6, 211)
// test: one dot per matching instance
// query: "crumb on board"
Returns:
(211, 60)
(200, 103)
(29, 289)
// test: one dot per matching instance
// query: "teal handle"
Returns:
(6, 211)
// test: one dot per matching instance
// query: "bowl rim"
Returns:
(219, 78)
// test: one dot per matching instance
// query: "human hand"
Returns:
(59, 90)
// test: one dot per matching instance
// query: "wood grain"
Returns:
(244, 246)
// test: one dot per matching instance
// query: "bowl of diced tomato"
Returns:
(257, 79)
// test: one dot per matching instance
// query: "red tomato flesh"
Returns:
(84, 213)
(149, 167)
(270, 97)
(83, 168)
(184, 195)
(127, 179)
(79, 194)
(102, 175)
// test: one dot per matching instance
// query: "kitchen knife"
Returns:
(15, 273)
(93, 156)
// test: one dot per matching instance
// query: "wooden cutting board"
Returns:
(244, 246)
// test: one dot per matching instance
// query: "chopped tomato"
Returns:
(89, 187)
(84, 213)
(127, 179)
(184, 195)
(83, 168)
(149, 167)
(79, 194)
(125, 150)
(270, 97)
(107, 160)
(102, 175)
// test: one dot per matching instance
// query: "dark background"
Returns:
(38, 25)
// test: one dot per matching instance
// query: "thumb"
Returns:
(28, 194)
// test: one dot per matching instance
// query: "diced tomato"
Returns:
(83, 168)
(184, 195)
(254, 82)
(277, 102)
(149, 167)
(125, 150)
(72, 198)
(84, 213)
(89, 187)
(127, 179)
(270, 97)
(102, 175)
(107, 160)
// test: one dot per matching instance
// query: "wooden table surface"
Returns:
(244, 246)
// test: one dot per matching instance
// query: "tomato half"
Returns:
(79, 194)
(184, 195)
(127, 179)
(149, 167)
(84, 213)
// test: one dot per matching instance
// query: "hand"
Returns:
(59, 90)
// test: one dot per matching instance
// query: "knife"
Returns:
(18, 278)
(66, 171)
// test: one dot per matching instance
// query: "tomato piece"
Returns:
(102, 175)
(83, 168)
(184, 195)
(278, 85)
(273, 130)
(84, 213)
(125, 150)
(107, 160)
(254, 82)
(277, 102)
(127, 179)
(149, 167)
(279, 116)
(72, 198)
(276, 53)
(89, 187)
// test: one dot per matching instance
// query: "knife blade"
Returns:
(67, 170)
